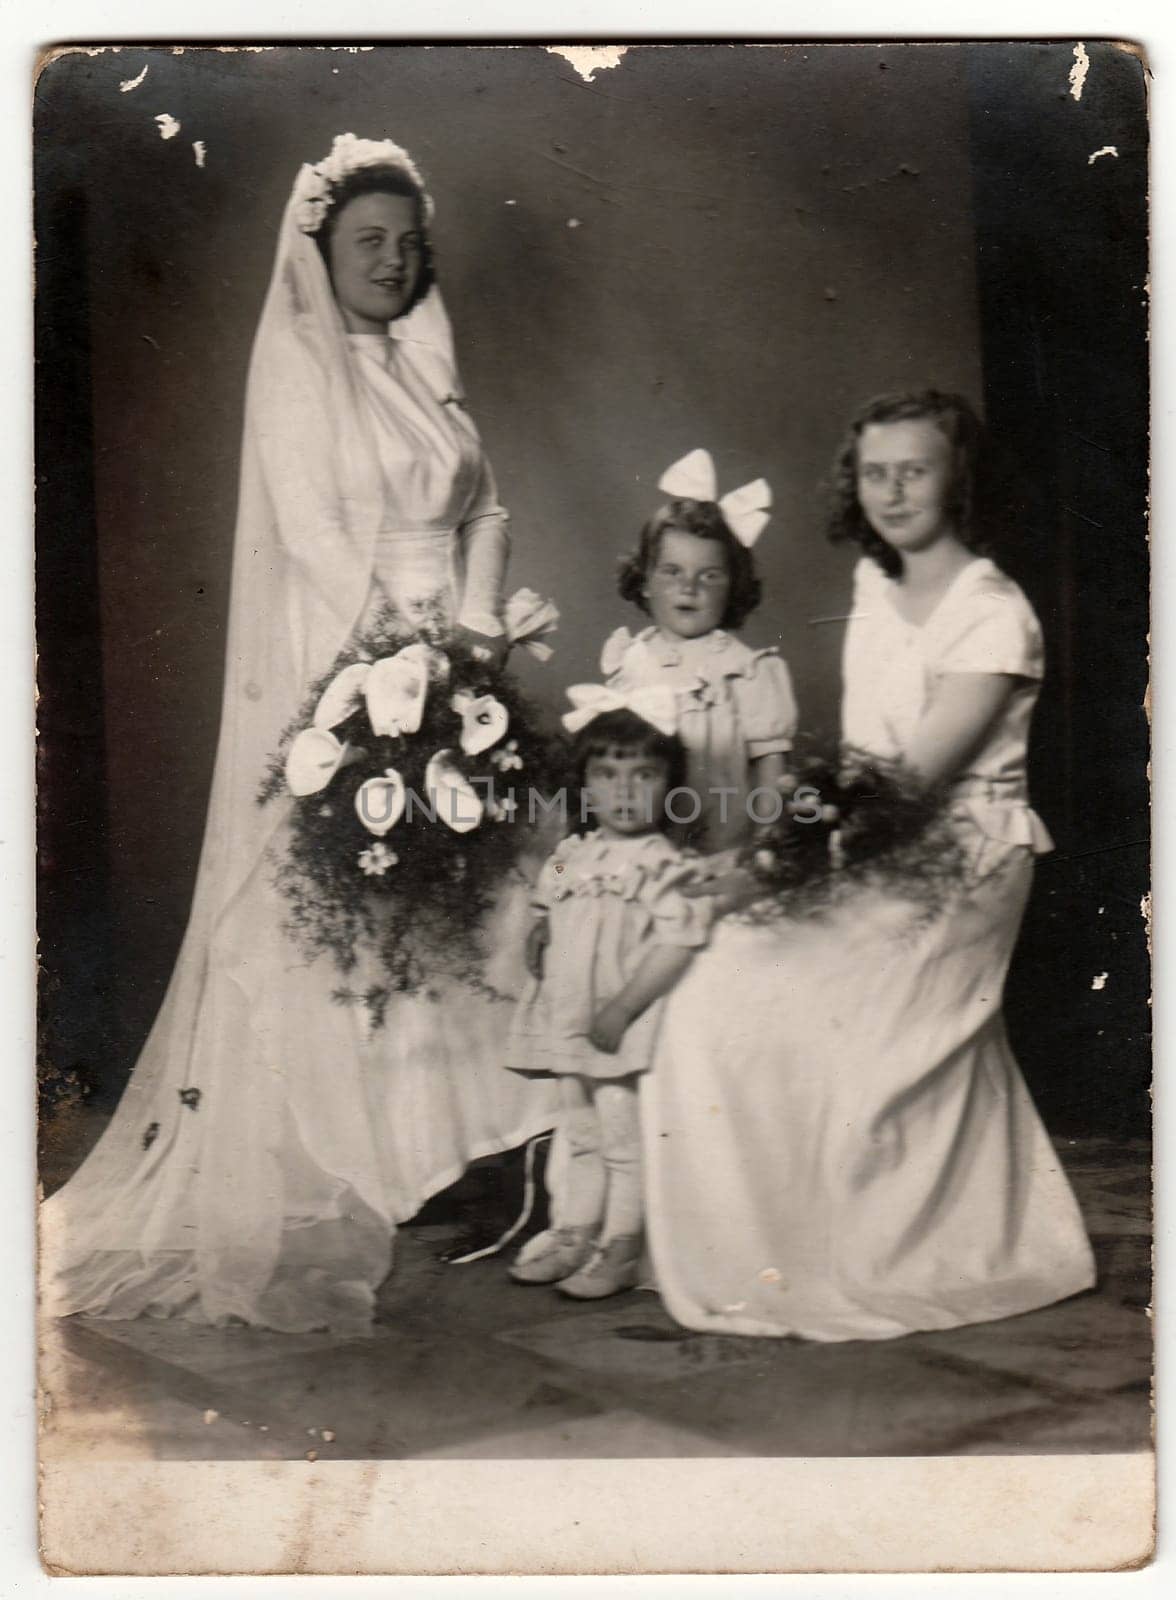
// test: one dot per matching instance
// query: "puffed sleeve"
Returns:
(616, 648)
(767, 706)
(674, 919)
(994, 630)
(485, 542)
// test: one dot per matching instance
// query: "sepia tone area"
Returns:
(823, 224)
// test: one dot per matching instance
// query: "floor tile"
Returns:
(630, 1342)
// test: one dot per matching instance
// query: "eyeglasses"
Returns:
(710, 577)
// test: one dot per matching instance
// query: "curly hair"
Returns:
(969, 507)
(624, 733)
(704, 520)
(385, 179)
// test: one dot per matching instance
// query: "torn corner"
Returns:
(589, 59)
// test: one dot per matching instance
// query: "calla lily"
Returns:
(379, 803)
(342, 696)
(396, 687)
(456, 803)
(484, 720)
(314, 759)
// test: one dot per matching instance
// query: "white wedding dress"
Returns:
(839, 1143)
(266, 1146)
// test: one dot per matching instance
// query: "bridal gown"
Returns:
(267, 1144)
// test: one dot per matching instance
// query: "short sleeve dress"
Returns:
(734, 704)
(608, 902)
(839, 1143)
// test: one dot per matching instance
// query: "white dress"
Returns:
(267, 1144)
(734, 705)
(839, 1143)
(608, 902)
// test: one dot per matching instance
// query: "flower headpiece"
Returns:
(745, 510)
(315, 188)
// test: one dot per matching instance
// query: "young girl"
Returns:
(613, 933)
(694, 575)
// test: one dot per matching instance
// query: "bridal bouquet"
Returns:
(416, 770)
(860, 820)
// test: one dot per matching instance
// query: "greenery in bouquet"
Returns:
(856, 821)
(416, 771)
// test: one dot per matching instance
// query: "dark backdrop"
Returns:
(724, 246)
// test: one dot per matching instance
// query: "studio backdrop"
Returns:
(721, 246)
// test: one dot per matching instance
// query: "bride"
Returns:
(266, 1146)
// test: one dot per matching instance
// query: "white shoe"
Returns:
(610, 1268)
(552, 1255)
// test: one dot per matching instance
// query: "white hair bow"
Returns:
(745, 510)
(656, 704)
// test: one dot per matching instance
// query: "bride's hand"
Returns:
(489, 647)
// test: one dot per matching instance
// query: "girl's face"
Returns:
(375, 252)
(904, 482)
(688, 585)
(626, 792)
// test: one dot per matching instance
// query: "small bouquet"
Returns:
(860, 820)
(416, 769)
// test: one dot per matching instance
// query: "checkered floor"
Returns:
(466, 1365)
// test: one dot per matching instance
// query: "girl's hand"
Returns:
(729, 891)
(608, 1028)
(537, 941)
(489, 647)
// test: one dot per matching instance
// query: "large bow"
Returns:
(656, 704)
(745, 510)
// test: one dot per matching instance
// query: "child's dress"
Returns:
(734, 704)
(609, 901)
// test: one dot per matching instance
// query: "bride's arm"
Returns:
(964, 707)
(486, 548)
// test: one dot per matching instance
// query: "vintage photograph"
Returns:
(592, 609)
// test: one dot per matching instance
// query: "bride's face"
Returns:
(375, 254)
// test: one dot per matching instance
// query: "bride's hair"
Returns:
(705, 521)
(380, 180)
(972, 503)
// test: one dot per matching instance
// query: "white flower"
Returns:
(379, 803)
(530, 620)
(313, 194)
(484, 720)
(342, 696)
(396, 686)
(313, 760)
(376, 860)
(508, 759)
(457, 805)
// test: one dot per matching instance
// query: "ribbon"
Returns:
(745, 510)
(527, 620)
(655, 703)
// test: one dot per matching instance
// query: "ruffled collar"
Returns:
(715, 656)
(587, 864)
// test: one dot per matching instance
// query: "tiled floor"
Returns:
(465, 1364)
